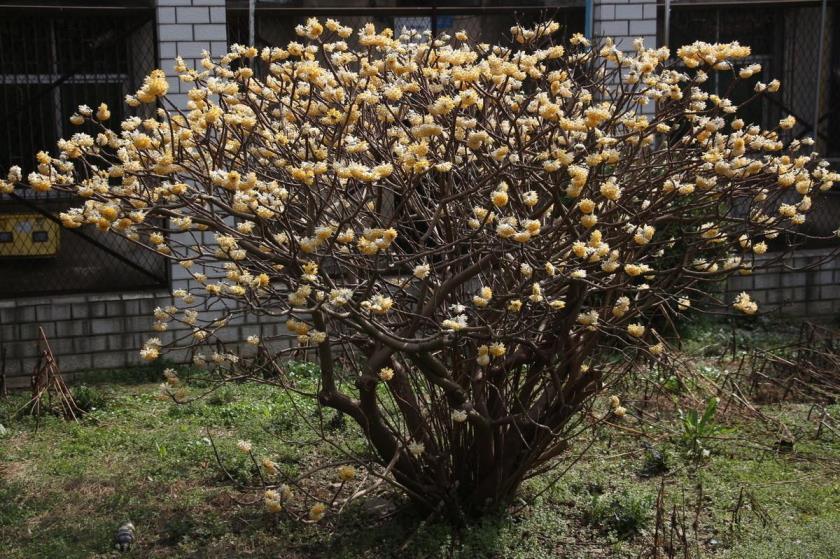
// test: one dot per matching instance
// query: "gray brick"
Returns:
(98, 309)
(180, 273)
(823, 276)
(19, 350)
(166, 15)
(21, 315)
(7, 316)
(178, 99)
(103, 297)
(193, 15)
(114, 309)
(106, 325)
(111, 360)
(740, 283)
(147, 307)
(131, 343)
(167, 50)
(173, 81)
(643, 27)
(624, 44)
(793, 279)
(52, 312)
(192, 49)
(611, 28)
(75, 362)
(131, 296)
(90, 344)
(138, 324)
(72, 328)
(650, 11)
(30, 331)
(79, 310)
(25, 367)
(18, 380)
(218, 48)
(8, 332)
(218, 15)
(830, 291)
(208, 2)
(603, 12)
(174, 3)
(228, 335)
(215, 32)
(773, 296)
(114, 342)
(798, 294)
(176, 32)
(631, 11)
(766, 281)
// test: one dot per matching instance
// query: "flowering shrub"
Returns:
(481, 235)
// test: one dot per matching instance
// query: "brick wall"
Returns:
(624, 21)
(85, 331)
(805, 284)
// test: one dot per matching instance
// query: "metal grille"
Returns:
(51, 61)
(785, 40)
(489, 22)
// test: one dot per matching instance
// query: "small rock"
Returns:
(124, 537)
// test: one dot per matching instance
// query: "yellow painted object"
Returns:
(31, 235)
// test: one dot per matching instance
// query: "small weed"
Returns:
(698, 429)
(656, 462)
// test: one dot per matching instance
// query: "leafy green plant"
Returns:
(302, 370)
(221, 397)
(88, 398)
(697, 429)
(625, 514)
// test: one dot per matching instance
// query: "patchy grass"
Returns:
(65, 487)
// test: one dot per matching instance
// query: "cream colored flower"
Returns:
(244, 446)
(636, 330)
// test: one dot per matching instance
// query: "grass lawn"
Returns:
(65, 487)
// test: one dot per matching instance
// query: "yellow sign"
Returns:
(28, 235)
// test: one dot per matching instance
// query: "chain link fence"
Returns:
(52, 61)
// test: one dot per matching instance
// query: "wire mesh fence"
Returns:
(52, 61)
(785, 40)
